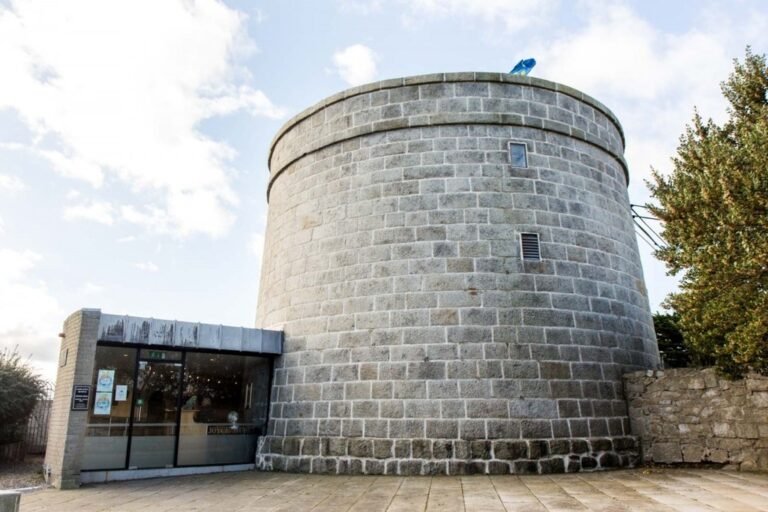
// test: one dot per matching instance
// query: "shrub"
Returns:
(20, 389)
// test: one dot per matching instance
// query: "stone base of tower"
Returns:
(336, 455)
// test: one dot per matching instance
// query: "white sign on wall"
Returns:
(121, 393)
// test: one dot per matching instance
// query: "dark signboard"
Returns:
(81, 395)
(223, 430)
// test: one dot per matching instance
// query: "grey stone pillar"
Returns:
(66, 428)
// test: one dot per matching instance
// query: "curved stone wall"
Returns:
(417, 340)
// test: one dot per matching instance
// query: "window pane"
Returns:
(106, 435)
(517, 155)
(154, 414)
(224, 408)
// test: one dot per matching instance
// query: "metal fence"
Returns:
(37, 427)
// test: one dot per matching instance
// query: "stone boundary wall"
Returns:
(694, 415)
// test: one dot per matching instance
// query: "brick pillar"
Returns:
(66, 428)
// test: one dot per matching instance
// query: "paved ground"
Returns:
(653, 491)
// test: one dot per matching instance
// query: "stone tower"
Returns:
(453, 261)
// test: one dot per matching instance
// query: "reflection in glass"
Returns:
(517, 154)
(154, 415)
(106, 434)
(224, 408)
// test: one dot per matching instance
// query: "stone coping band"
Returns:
(452, 118)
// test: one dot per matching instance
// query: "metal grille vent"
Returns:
(529, 243)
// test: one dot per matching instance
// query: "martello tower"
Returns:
(453, 262)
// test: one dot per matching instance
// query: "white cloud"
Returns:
(361, 6)
(11, 183)
(91, 289)
(355, 64)
(14, 265)
(231, 99)
(97, 211)
(31, 317)
(146, 266)
(74, 166)
(152, 218)
(511, 15)
(119, 90)
(620, 54)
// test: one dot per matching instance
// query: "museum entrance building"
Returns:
(151, 397)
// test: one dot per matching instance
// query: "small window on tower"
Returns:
(529, 245)
(518, 155)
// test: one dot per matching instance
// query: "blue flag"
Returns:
(523, 67)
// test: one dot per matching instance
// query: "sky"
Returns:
(134, 135)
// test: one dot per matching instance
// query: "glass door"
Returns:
(155, 411)
(224, 408)
(107, 432)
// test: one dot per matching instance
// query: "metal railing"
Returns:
(36, 436)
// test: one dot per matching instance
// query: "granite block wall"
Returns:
(392, 263)
(696, 416)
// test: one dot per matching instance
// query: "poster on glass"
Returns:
(102, 404)
(105, 380)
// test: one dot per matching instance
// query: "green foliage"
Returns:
(20, 389)
(715, 211)
(674, 352)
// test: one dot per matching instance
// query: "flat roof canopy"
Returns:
(174, 333)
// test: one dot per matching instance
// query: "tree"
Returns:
(20, 389)
(672, 348)
(714, 206)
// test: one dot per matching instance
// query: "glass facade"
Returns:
(109, 414)
(154, 408)
(223, 408)
(153, 433)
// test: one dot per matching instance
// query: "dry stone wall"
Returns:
(417, 340)
(695, 415)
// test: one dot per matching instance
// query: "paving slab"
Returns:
(657, 490)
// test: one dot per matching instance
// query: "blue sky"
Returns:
(134, 135)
